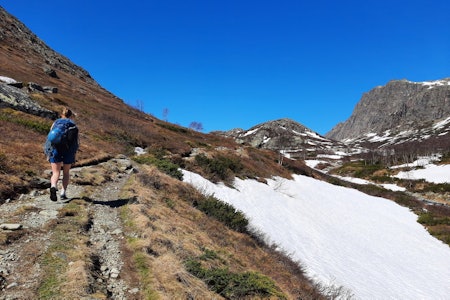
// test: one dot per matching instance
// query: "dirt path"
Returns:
(23, 249)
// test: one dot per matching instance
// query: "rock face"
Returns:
(399, 105)
(18, 99)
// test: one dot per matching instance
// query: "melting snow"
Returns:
(431, 173)
(251, 132)
(7, 79)
(367, 244)
(441, 124)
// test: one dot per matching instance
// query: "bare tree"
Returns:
(140, 105)
(165, 114)
(284, 144)
(196, 126)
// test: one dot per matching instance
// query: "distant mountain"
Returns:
(399, 106)
(286, 135)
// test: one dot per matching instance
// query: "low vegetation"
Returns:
(222, 212)
(163, 164)
(220, 167)
(66, 247)
(202, 244)
(232, 285)
(28, 121)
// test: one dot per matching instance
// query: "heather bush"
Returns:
(359, 169)
(219, 168)
(437, 188)
(223, 212)
(30, 123)
(233, 285)
(162, 164)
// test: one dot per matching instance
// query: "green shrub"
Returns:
(234, 285)
(163, 165)
(173, 128)
(220, 167)
(359, 169)
(223, 212)
(437, 188)
(432, 220)
(41, 127)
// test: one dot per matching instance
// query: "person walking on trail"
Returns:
(60, 148)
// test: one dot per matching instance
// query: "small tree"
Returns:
(140, 105)
(196, 126)
(165, 114)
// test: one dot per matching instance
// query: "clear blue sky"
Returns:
(238, 63)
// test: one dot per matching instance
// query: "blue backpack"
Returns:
(64, 134)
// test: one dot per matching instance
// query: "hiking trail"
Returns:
(31, 222)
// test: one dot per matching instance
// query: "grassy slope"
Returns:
(166, 219)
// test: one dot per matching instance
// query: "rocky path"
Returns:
(28, 225)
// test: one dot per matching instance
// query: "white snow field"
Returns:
(431, 173)
(369, 245)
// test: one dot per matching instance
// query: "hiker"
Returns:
(60, 149)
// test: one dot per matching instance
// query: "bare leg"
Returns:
(56, 171)
(66, 175)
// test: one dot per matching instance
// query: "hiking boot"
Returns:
(53, 196)
(63, 196)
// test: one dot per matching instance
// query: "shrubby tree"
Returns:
(196, 126)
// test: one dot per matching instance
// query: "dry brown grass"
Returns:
(65, 263)
(164, 228)
(170, 232)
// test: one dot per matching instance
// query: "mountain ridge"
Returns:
(289, 136)
(400, 104)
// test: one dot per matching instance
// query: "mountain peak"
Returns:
(400, 105)
(287, 135)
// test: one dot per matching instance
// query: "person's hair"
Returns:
(67, 113)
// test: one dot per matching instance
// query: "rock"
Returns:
(50, 89)
(399, 104)
(116, 232)
(18, 85)
(51, 72)
(10, 226)
(114, 273)
(19, 100)
(12, 285)
(34, 87)
(39, 183)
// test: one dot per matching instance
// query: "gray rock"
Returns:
(400, 104)
(20, 100)
(10, 226)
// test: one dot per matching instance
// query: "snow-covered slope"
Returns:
(369, 245)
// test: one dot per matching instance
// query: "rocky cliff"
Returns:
(399, 105)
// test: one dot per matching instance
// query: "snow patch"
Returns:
(367, 244)
(7, 80)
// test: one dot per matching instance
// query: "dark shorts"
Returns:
(66, 157)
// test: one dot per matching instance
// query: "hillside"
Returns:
(288, 136)
(163, 237)
(137, 226)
